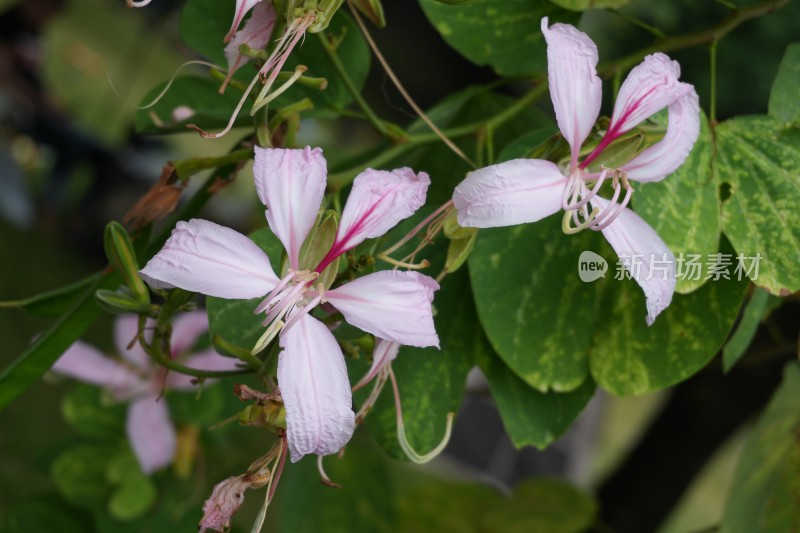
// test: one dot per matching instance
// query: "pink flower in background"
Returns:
(135, 379)
(255, 33)
(527, 190)
(201, 256)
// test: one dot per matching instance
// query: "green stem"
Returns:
(716, 32)
(712, 110)
(652, 30)
(383, 127)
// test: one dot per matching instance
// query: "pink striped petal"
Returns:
(291, 183)
(206, 360)
(378, 201)
(663, 158)
(315, 389)
(150, 432)
(126, 329)
(575, 89)
(187, 329)
(514, 192)
(204, 257)
(650, 87)
(647, 258)
(242, 8)
(384, 353)
(390, 304)
(255, 33)
(85, 363)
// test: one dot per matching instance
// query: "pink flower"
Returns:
(135, 379)
(255, 33)
(527, 190)
(203, 257)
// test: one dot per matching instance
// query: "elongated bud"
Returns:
(317, 246)
(373, 10)
(452, 230)
(271, 415)
(120, 302)
(458, 251)
(122, 257)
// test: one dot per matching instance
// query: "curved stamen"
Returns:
(273, 294)
(612, 217)
(612, 205)
(585, 198)
(568, 229)
(569, 192)
(298, 71)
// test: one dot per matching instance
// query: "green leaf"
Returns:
(503, 34)
(39, 515)
(234, 320)
(542, 505)
(80, 474)
(211, 109)
(85, 410)
(49, 346)
(629, 357)
(760, 304)
(529, 416)
(135, 493)
(765, 488)
(431, 381)
(55, 302)
(536, 311)
(761, 163)
(684, 210)
(583, 5)
(524, 145)
(438, 506)
(188, 408)
(784, 98)
(364, 503)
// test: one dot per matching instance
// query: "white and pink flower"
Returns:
(136, 380)
(204, 257)
(527, 190)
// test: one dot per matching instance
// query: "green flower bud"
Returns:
(318, 244)
(122, 258)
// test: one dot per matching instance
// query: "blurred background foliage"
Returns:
(51, 235)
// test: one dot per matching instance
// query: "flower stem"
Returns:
(712, 108)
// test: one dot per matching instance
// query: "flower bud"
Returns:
(373, 10)
(317, 246)
(120, 302)
(452, 230)
(122, 257)
(458, 251)
(323, 11)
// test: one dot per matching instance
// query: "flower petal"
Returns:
(378, 201)
(255, 33)
(187, 329)
(384, 353)
(242, 8)
(84, 362)
(390, 304)
(663, 158)
(650, 87)
(315, 389)
(575, 89)
(291, 183)
(150, 432)
(647, 258)
(126, 329)
(204, 257)
(206, 360)
(514, 192)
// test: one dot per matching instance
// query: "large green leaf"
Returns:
(40, 515)
(765, 489)
(760, 304)
(503, 34)
(529, 416)
(234, 320)
(54, 302)
(431, 381)
(80, 474)
(684, 210)
(546, 505)
(536, 311)
(784, 99)
(85, 409)
(761, 163)
(49, 346)
(629, 357)
(583, 5)
(363, 504)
